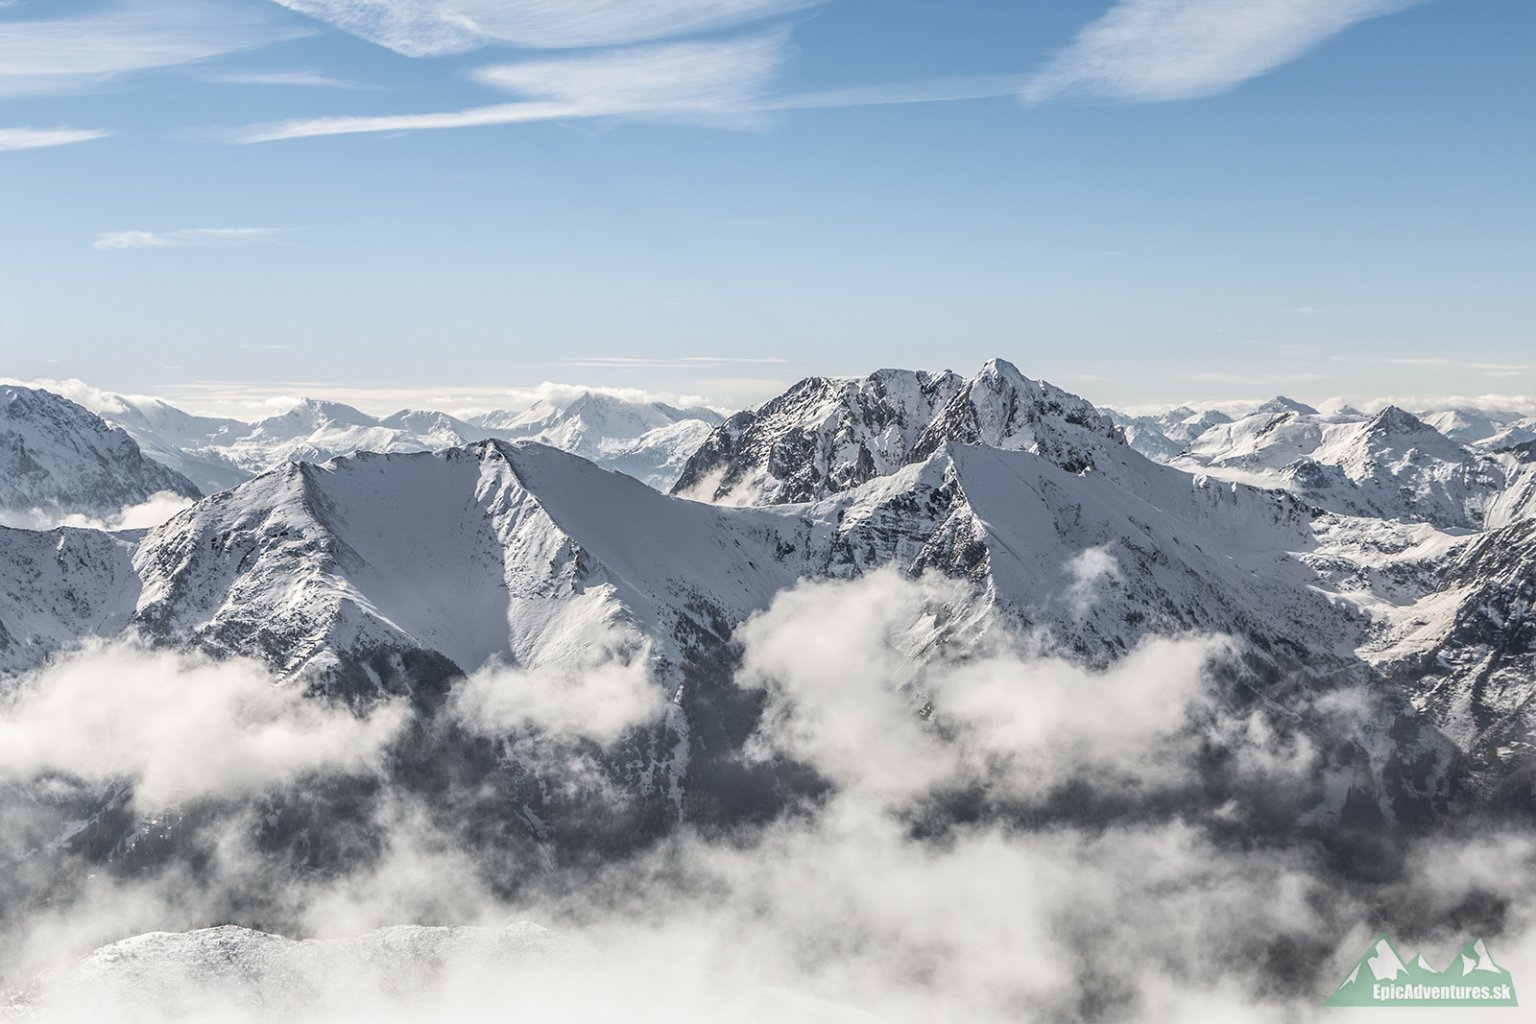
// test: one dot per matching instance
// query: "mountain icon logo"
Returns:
(1383, 978)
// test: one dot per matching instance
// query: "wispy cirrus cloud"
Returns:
(298, 79)
(1154, 50)
(719, 82)
(429, 28)
(187, 238)
(40, 138)
(68, 54)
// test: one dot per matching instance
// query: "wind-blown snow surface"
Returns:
(995, 711)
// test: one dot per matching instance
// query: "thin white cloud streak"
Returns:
(1155, 50)
(12, 139)
(716, 82)
(430, 28)
(69, 54)
(186, 238)
(291, 79)
(694, 83)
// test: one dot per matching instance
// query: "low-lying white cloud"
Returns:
(1154, 50)
(1091, 570)
(179, 727)
(599, 690)
(852, 908)
(877, 685)
(153, 511)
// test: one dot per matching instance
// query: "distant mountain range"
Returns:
(1392, 464)
(648, 440)
(1393, 563)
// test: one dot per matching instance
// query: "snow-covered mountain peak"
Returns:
(827, 434)
(310, 415)
(1281, 403)
(1002, 408)
(823, 435)
(437, 426)
(1396, 420)
(1393, 435)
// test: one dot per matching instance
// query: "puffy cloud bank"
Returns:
(898, 892)
(179, 728)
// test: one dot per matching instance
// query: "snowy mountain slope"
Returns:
(479, 553)
(60, 458)
(60, 587)
(1164, 435)
(1391, 465)
(823, 435)
(1097, 564)
(489, 551)
(1148, 435)
(191, 445)
(517, 972)
(235, 973)
(1519, 432)
(1466, 651)
(657, 457)
(1518, 499)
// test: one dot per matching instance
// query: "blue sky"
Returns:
(1143, 200)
